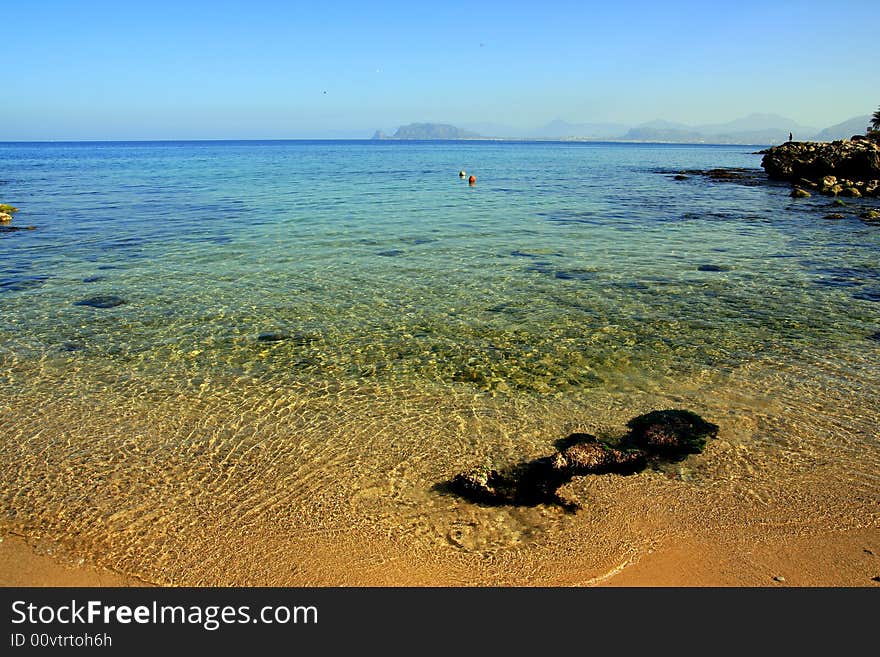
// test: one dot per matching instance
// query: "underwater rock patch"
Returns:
(101, 301)
(654, 438)
(272, 336)
(670, 434)
(575, 275)
(525, 484)
(712, 268)
(742, 176)
(22, 283)
(589, 455)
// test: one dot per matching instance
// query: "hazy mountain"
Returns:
(757, 129)
(757, 123)
(660, 124)
(845, 130)
(751, 129)
(428, 131)
(558, 129)
(648, 132)
(502, 130)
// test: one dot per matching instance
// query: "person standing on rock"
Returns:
(790, 136)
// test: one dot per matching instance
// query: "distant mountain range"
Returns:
(751, 129)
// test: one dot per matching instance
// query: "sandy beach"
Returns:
(850, 558)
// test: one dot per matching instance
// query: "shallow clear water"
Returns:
(347, 303)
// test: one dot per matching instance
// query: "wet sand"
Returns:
(22, 565)
(851, 558)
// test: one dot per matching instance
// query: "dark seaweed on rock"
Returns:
(671, 434)
(654, 438)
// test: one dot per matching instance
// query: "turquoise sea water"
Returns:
(564, 265)
(322, 301)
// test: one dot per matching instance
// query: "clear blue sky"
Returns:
(260, 69)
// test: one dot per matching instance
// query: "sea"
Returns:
(256, 362)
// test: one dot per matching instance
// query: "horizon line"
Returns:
(567, 140)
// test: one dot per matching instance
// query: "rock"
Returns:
(870, 215)
(711, 268)
(482, 485)
(875, 336)
(797, 192)
(5, 218)
(829, 181)
(840, 202)
(5, 208)
(591, 456)
(851, 191)
(672, 434)
(779, 578)
(102, 301)
(680, 176)
(526, 484)
(857, 160)
(657, 436)
(835, 215)
(724, 174)
(390, 253)
(272, 336)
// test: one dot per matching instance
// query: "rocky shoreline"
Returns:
(6, 212)
(848, 167)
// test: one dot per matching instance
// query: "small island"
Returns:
(428, 131)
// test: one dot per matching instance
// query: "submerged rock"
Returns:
(272, 336)
(526, 484)
(654, 438)
(101, 301)
(5, 208)
(797, 192)
(711, 268)
(870, 215)
(482, 485)
(5, 218)
(835, 215)
(589, 455)
(671, 434)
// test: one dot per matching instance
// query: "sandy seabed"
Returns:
(120, 479)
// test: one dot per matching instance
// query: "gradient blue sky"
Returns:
(259, 69)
